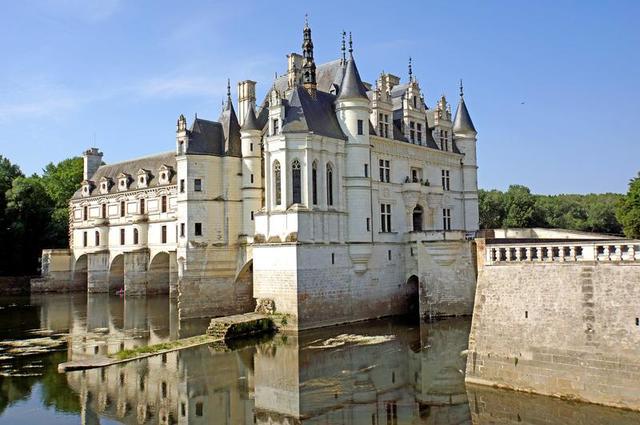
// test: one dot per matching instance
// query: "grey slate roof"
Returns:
(352, 86)
(151, 163)
(206, 138)
(306, 113)
(251, 122)
(462, 123)
(231, 130)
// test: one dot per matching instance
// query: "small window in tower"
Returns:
(97, 238)
(198, 229)
(368, 224)
(251, 178)
(333, 258)
(360, 128)
(251, 147)
(142, 206)
(199, 409)
(251, 215)
(197, 185)
(181, 185)
(276, 129)
(366, 170)
(164, 234)
(135, 236)
(415, 102)
(84, 238)
(182, 230)
(122, 209)
(141, 180)
(163, 203)
(121, 236)
(389, 255)
(85, 213)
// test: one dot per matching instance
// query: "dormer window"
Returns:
(123, 181)
(165, 172)
(86, 187)
(143, 178)
(105, 185)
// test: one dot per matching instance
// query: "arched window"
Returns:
(97, 238)
(417, 219)
(329, 185)
(277, 179)
(135, 236)
(295, 182)
(314, 182)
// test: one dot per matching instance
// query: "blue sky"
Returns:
(553, 87)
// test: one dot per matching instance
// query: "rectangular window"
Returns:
(85, 213)
(181, 185)
(446, 181)
(366, 170)
(84, 238)
(360, 127)
(419, 132)
(314, 184)
(412, 131)
(122, 209)
(141, 206)
(446, 218)
(385, 171)
(251, 215)
(104, 210)
(251, 147)
(121, 236)
(97, 239)
(164, 234)
(276, 128)
(251, 178)
(368, 224)
(333, 258)
(380, 125)
(163, 204)
(197, 185)
(385, 217)
(389, 255)
(182, 230)
(199, 409)
(386, 125)
(198, 229)
(415, 175)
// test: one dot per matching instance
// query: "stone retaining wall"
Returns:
(564, 329)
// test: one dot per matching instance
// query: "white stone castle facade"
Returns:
(332, 201)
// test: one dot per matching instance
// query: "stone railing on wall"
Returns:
(570, 251)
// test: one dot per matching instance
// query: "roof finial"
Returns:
(461, 88)
(350, 44)
(229, 89)
(344, 48)
(306, 20)
(410, 70)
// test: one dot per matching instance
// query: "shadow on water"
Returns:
(391, 371)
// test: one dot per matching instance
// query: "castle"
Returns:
(334, 200)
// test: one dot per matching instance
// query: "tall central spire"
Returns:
(308, 66)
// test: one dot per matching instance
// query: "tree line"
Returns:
(34, 213)
(610, 213)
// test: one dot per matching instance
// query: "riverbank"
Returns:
(15, 285)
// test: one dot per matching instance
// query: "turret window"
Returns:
(446, 180)
(164, 234)
(329, 185)
(419, 132)
(444, 140)
(314, 183)
(84, 239)
(104, 210)
(97, 238)
(360, 127)
(385, 217)
(412, 131)
(121, 236)
(135, 236)
(385, 171)
(181, 185)
(122, 209)
(163, 203)
(277, 180)
(446, 218)
(197, 185)
(296, 184)
(198, 229)
(85, 213)
(142, 211)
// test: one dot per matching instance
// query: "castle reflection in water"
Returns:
(392, 372)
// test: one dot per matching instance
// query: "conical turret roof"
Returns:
(462, 123)
(352, 86)
(250, 122)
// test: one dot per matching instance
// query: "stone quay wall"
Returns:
(559, 319)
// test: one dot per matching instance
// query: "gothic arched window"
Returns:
(296, 182)
(329, 185)
(277, 179)
(135, 236)
(417, 219)
(314, 183)
(97, 238)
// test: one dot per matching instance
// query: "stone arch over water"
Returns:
(116, 274)
(159, 274)
(79, 277)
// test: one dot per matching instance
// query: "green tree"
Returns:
(520, 207)
(8, 172)
(29, 209)
(60, 182)
(491, 204)
(628, 210)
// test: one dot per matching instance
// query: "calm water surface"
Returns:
(379, 372)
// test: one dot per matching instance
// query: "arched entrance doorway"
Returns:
(79, 277)
(158, 274)
(413, 297)
(417, 218)
(116, 274)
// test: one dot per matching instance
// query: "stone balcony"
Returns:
(439, 235)
(100, 222)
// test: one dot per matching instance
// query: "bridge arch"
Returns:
(159, 274)
(116, 274)
(413, 295)
(79, 278)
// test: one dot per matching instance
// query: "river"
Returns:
(390, 371)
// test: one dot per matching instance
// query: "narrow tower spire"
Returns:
(344, 48)
(461, 89)
(410, 70)
(350, 45)
(308, 66)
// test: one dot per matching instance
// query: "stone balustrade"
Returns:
(571, 251)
